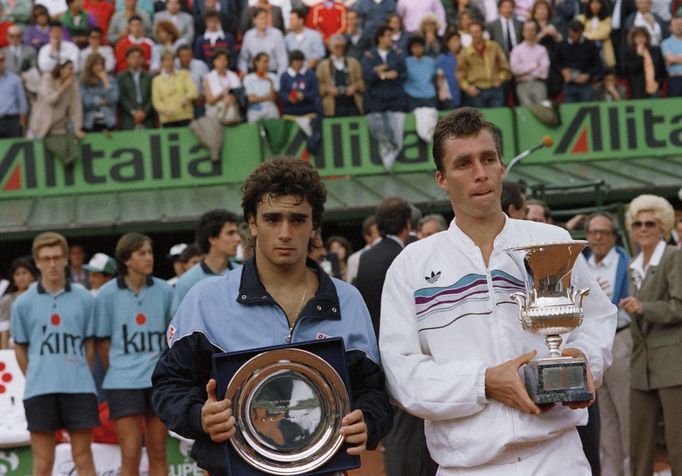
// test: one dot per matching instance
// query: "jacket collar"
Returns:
(324, 305)
(42, 290)
(121, 282)
(207, 270)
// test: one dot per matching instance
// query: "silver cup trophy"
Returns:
(550, 306)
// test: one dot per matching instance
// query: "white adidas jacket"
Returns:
(445, 318)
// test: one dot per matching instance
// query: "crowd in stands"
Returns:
(97, 65)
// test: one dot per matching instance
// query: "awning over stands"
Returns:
(349, 197)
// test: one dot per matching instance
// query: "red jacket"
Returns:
(328, 21)
(145, 44)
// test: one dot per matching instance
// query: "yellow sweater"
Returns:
(168, 92)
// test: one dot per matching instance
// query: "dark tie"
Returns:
(510, 43)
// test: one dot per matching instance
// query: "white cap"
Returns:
(176, 250)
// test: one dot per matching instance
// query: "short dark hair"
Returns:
(126, 246)
(299, 12)
(22, 262)
(258, 11)
(218, 52)
(367, 224)
(414, 40)
(512, 194)
(282, 176)
(546, 211)
(134, 49)
(296, 55)
(342, 241)
(135, 17)
(393, 215)
(190, 252)
(211, 14)
(576, 25)
(500, 2)
(210, 225)
(607, 215)
(185, 46)
(95, 29)
(381, 31)
(464, 122)
(55, 24)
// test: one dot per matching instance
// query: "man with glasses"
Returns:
(18, 57)
(13, 105)
(609, 263)
(53, 336)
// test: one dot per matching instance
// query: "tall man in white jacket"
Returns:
(451, 342)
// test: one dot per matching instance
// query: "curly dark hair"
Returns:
(464, 122)
(284, 175)
(210, 225)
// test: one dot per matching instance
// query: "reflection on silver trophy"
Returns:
(550, 306)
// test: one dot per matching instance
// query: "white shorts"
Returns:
(559, 456)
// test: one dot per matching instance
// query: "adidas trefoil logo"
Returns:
(433, 278)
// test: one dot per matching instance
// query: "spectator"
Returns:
(213, 38)
(279, 9)
(529, 64)
(412, 12)
(609, 89)
(643, 65)
(620, 12)
(191, 256)
(597, 23)
(421, 76)
(95, 46)
(342, 248)
(178, 265)
(37, 34)
(60, 391)
(137, 39)
(672, 52)
(370, 234)
(273, 14)
(218, 238)
(18, 12)
(136, 303)
(183, 21)
(513, 200)
(118, 27)
(327, 17)
(57, 50)
(466, 18)
(224, 93)
(453, 9)
(261, 87)
(538, 211)
(76, 260)
(482, 69)
(18, 57)
(655, 291)
(398, 34)
(58, 102)
(101, 12)
(609, 263)
(101, 269)
(167, 38)
(372, 13)
(55, 8)
(506, 30)
(135, 93)
(549, 36)
(298, 88)
(306, 40)
(430, 225)
(4, 27)
(428, 29)
(99, 92)
(449, 97)
(22, 273)
(197, 69)
(172, 94)
(643, 17)
(77, 22)
(341, 83)
(580, 64)
(227, 10)
(263, 39)
(146, 5)
(13, 104)
(357, 41)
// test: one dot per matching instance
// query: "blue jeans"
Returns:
(675, 86)
(492, 97)
(578, 93)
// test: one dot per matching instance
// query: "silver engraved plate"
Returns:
(288, 405)
(550, 306)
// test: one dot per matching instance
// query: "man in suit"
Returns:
(406, 453)
(609, 263)
(506, 30)
(183, 21)
(135, 93)
(643, 16)
(621, 10)
(18, 57)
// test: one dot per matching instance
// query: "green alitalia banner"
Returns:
(608, 130)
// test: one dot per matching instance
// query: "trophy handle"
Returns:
(578, 295)
(521, 300)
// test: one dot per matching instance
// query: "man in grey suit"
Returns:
(506, 30)
(183, 21)
(18, 57)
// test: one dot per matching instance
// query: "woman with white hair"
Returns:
(655, 306)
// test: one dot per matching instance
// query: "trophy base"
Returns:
(557, 380)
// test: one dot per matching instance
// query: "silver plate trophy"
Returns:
(288, 405)
(550, 306)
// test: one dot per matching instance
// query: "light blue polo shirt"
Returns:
(136, 326)
(197, 273)
(54, 327)
(674, 46)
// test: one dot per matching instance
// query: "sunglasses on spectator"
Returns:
(646, 224)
